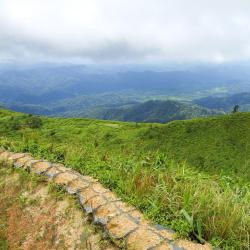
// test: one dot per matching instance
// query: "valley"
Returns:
(85, 91)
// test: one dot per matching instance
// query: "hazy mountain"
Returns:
(80, 90)
(226, 103)
(47, 83)
(154, 111)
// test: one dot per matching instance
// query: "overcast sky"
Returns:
(125, 30)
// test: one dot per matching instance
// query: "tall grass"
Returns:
(199, 204)
(196, 205)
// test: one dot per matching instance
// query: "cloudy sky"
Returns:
(125, 30)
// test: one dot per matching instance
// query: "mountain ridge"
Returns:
(226, 103)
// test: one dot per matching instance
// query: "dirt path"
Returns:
(34, 215)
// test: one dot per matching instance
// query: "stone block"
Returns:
(98, 188)
(40, 167)
(52, 172)
(86, 194)
(65, 178)
(22, 162)
(120, 226)
(143, 239)
(106, 212)
(76, 186)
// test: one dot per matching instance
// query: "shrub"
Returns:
(34, 122)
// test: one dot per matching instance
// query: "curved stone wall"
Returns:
(124, 224)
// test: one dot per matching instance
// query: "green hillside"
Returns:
(154, 111)
(192, 176)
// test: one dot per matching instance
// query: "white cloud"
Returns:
(125, 30)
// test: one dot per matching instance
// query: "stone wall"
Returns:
(125, 225)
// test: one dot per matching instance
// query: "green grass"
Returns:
(192, 176)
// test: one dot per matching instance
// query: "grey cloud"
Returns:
(101, 51)
(125, 30)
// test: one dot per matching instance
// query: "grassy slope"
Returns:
(215, 144)
(207, 197)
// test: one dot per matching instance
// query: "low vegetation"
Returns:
(192, 176)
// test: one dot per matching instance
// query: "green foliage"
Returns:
(236, 108)
(34, 122)
(56, 192)
(192, 176)
(14, 123)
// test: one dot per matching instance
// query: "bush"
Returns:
(14, 125)
(34, 122)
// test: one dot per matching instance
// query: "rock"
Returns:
(175, 247)
(89, 178)
(61, 167)
(86, 194)
(23, 162)
(121, 226)
(138, 217)
(143, 238)
(76, 186)
(16, 156)
(110, 196)
(98, 188)
(65, 178)
(93, 203)
(123, 207)
(106, 212)
(188, 245)
(166, 234)
(163, 246)
(52, 172)
(28, 164)
(5, 155)
(40, 167)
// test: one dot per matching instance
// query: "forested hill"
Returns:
(154, 111)
(76, 90)
(226, 103)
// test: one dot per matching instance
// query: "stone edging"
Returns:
(124, 224)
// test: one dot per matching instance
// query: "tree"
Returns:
(236, 108)
(34, 122)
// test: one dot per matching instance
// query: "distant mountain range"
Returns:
(226, 103)
(44, 84)
(80, 91)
